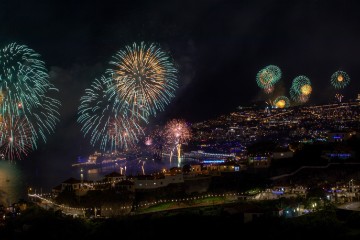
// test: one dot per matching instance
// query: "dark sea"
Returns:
(17, 178)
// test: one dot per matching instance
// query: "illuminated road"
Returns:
(353, 206)
(310, 167)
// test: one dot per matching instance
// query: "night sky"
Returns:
(218, 46)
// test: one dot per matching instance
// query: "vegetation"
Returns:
(328, 223)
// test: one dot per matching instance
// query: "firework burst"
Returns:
(145, 78)
(177, 132)
(300, 89)
(25, 92)
(281, 102)
(268, 76)
(106, 119)
(340, 79)
(15, 138)
(123, 132)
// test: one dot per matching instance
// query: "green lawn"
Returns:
(183, 204)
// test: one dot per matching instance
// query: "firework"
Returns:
(145, 78)
(24, 93)
(281, 102)
(106, 119)
(123, 132)
(268, 76)
(15, 138)
(148, 141)
(340, 79)
(269, 89)
(177, 132)
(1, 97)
(306, 89)
(339, 97)
(154, 142)
(300, 89)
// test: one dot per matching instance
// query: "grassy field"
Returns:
(184, 204)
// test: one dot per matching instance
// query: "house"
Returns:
(125, 186)
(114, 177)
(259, 161)
(143, 182)
(81, 187)
(224, 167)
(57, 189)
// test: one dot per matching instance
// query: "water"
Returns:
(16, 179)
(12, 185)
(133, 168)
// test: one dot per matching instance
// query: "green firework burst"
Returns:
(340, 79)
(268, 76)
(25, 99)
(106, 119)
(281, 102)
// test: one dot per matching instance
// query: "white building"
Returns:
(157, 181)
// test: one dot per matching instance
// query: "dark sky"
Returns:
(218, 46)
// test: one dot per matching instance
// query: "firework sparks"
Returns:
(281, 102)
(177, 132)
(106, 119)
(145, 78)
(24, 94)
(268, 76)
(340, 79)
(300, 89)
(15, 138)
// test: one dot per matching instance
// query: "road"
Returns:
(353, 206)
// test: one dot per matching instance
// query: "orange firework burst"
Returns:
(145, 78)
(306, 89)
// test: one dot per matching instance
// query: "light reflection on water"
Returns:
(15, 179)
(12, 185)
(133, 168)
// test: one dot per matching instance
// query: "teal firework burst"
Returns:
(145, 77)
(301, 89)
(106, 119)
(340, 79)
(268, 76)
(25, 93)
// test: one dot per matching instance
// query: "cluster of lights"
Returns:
(148, 204)
(40, 196)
